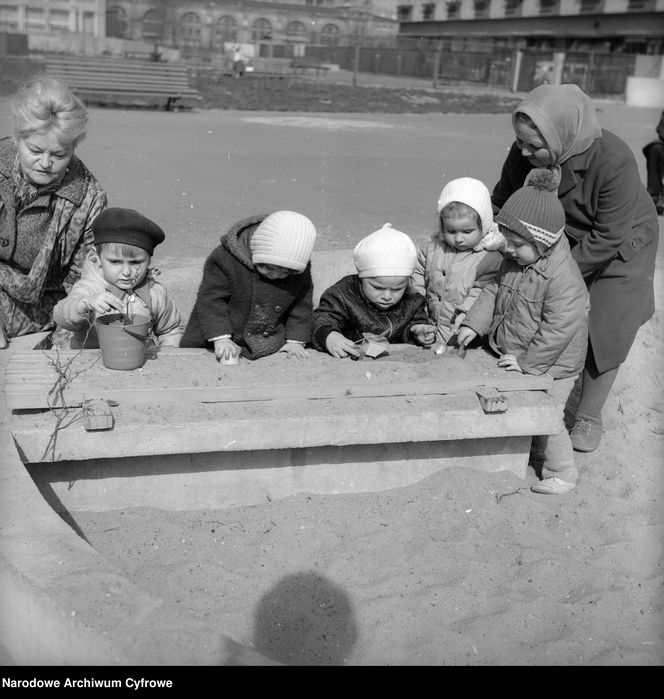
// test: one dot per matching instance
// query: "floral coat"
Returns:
(27, 298)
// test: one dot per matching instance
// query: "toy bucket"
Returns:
(122, 340)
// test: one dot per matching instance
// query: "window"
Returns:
(116, 22)
(190, 29)
(590, 6)
(329, 35)
(151, 26)
(296, 29)
(453, 9)
(226, 30)
(261, 30)
(404, 12)
(8, 17)
(428, 10)
(549, 7)
(640, 5)
(34, 18)
(88, 23)
(59, 20)
(512, 8)
(481, 8)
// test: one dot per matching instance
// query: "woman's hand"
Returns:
(225, 349)
(509, 363)
(101, 304)
(295, 350)
(466, 336)
(424, 334)
(340, 346)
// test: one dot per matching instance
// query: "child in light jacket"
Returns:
(449, 272)
(377, 301)
(256, 295)
(117, 278)
(535, 313)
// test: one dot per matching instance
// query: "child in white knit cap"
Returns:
(449, 272)
(535, 313)
(375, 301)
(256, 294)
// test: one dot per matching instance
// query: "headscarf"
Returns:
(565, 116)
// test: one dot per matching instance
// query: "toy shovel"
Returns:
(452, 348)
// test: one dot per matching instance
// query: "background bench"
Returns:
(305, 63)
(126, 82)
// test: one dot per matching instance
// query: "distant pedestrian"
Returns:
(654, 152)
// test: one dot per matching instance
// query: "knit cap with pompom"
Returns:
(284, 238)
(471, 192)
(534, 212)
(385, 253)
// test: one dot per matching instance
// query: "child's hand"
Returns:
(3, 338)
(509, 363)
(295, 350)
(466, 336)
(493, 240)
(424, 334)
(225, 349)
(458, 319)
(101, 303)
(340, 346)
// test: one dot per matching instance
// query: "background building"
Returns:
(635, 26)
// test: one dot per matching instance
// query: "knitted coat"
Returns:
(451, 280)
(538, 313)
(611, 224)
(27, 298)
(344, 308)
(150, 299)
(233, 299)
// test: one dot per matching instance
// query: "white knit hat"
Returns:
(473, 193)
(284, 238)
(385, 253)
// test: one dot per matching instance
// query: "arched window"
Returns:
(151, 26)
(329, 35)
(190, 29)
(226, 30)
(117, 24)
(261, 30)
(296, 29)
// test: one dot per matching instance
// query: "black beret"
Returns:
(127, 226)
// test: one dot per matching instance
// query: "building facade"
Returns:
(635, 26)
(53, 17)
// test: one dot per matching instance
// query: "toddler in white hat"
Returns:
(375, 302)
(256, 295)
(450, 272)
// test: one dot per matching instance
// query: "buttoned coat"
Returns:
(538, 313)
(233, 299)
(611, 225)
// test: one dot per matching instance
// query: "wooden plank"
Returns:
(194, 376)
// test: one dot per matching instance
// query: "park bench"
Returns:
(117, 81)
(305, 63)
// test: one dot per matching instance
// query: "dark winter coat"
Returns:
(344, 308)
(611, 224)
(233, 299)
(538, 313)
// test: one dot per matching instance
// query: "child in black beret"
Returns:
(116, 278)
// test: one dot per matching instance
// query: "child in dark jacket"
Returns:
(256, 294)
(535, 314)
(377, 301)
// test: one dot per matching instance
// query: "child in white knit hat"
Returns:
(535, 313)
(376, 301)
(256, 294)
(449, 272)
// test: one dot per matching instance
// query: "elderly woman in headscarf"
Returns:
(48, 201)
(611, 225)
